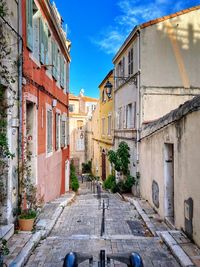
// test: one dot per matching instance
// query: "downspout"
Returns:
(138, 101)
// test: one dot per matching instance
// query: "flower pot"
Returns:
(26, 224)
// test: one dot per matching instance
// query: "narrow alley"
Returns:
(79, 229)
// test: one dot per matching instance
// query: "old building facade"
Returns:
(80, 112)
(10, 94)
(154, 75)
(103, 135)
(169, 167)
(45, 97)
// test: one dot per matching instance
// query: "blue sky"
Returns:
(97, 28)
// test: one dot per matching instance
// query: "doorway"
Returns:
(31, 139)
(103, 165)
(169, 181)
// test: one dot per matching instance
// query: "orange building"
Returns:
(45, 97)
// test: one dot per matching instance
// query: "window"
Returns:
(109, 124)
(129, 116)
(103, 96)
(43, 42)
(49, 131)
(29, 24)
(120, 71)
(62, 72)
(36, 35)
(62, 133)
(71, 108)
(125, 117)
(130, 62)
(57, 131)
(120, 118)
(134, 116)
(80, 124)
(55, 60)
(103, 126)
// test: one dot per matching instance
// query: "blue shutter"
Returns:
(29, 24)
(42, 52)
(53, 59)
(46, 43)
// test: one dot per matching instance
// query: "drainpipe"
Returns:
(138, 101)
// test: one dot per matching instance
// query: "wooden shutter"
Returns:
(62, 71)
(57, 130)
(54, 61)
(42, 42)
(135, 111)
(46, 44)
(36, 35)
(63, 133)
(49, 131)
(29, 24)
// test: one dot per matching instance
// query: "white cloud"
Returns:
(109, 41)
(134, 12)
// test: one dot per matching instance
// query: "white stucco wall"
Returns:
(184, 135)
(170, 52)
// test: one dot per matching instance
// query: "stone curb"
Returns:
(176, 250)
(41, 232)
(144, 216)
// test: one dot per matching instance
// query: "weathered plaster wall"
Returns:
(184, 135)
(170, 52)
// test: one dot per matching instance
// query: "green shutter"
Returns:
(53, 59)
(46, 43)
(57, 130)
(62, 71)
(42, 52)
(29, 24)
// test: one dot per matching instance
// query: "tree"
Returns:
(120, 158)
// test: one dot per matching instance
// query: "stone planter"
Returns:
(26, 224)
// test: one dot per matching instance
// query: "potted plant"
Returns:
(28, 204)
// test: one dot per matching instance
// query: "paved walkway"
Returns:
(79, 229)
(22, 243)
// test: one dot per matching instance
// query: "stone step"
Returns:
(6, 231)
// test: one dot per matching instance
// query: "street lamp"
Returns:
(108, 87)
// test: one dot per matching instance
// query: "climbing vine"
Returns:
(6, 81)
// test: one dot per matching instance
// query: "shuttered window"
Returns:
(130, 62)
(67, 131)
(49, 131)
(55, 60)
(36, 33)
(29, 24)
(57, 131)
(63, 133)
(43, 42)
(67, 77)
(62, 71)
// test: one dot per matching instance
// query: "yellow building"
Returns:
(103, 142)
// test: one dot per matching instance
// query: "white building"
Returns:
(160, 62)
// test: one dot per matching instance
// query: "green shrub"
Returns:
(74, 184)
(126, 185)
(109, 183)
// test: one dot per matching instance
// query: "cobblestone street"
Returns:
(79, 228)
